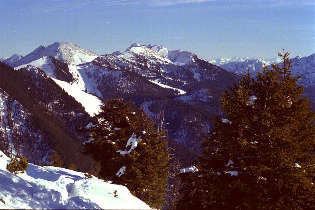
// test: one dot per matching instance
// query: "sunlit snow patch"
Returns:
(191, 169)
(121, 171)
(251, 100)
(90, 103)
(226, 121)
(232, 173)
(132, 142)
(58, 188)
(181, 92)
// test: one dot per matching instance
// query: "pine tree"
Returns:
(55, 159)
(130, 150)
(260, 155)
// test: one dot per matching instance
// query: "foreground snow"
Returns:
(52, 187)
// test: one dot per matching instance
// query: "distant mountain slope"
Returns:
(59, 188)
(304, 66)
(13, 59)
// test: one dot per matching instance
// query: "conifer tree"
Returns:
(260, 155)
(130, 151)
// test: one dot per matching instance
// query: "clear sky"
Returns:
(209, 28)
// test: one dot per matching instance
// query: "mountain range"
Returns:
(303, 66)
(47, 95)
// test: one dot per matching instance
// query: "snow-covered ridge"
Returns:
(159, 53)
(153, 53)
(58, 188)
(13, 59)
(63, 51)
(43, 63)
(222, 61)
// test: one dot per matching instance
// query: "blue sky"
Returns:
(209, 28)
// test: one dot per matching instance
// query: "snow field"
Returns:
(52, 187)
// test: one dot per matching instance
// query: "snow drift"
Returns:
(59, 188)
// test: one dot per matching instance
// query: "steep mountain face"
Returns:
(37, 117)
(18, 132)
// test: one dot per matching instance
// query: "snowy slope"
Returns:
(68, 53)
(180, 92)
(90, 102)
(72, 56)
(43, 63)
(59, 188)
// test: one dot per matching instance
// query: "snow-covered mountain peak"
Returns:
(181, 57)
(63, 51)
(161, 50)
(160, 53)
(153, 53)
(134, 45)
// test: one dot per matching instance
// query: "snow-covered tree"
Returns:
(261, 154)
(130, 150)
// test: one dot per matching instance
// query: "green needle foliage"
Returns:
(18, 164)
(146, 161)
(261, 156)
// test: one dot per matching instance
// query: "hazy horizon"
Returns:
(208, 28)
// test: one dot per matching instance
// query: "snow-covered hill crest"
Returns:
(63, 51)
(59, 188)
